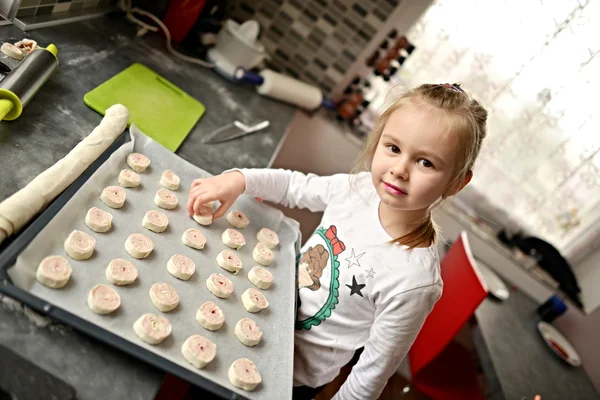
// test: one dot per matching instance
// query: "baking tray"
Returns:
(46, 234)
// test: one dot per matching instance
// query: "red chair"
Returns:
(440, 367)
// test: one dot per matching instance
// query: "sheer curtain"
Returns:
(534, 65)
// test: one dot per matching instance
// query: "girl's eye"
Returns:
(393, 148)
(425, 163)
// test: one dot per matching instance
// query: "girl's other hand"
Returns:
(225, 187)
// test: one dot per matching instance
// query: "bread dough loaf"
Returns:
(103, 299)
(113, 196)
(181, 267)
(139, 246)
(262, 254)
(98, 220)
(254, 301)
(19, 208)
(79, 245)
(198, 350)
(151, 328)
(204, 216)
(219, 285)
(128, 178)
(232, 238)
(138, 162)
(210, 316)
(170, 180)
(229, 261)
(164, 297)
(166, 199)
(194, 238)
(244, 374)
(260, 277)
(238, 219)
(155, 221)
(248, 332)
(121, 272)
(54, 272)
(268, 237)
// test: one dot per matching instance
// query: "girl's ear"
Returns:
(460, 187)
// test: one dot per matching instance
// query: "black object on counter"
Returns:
(553, 308)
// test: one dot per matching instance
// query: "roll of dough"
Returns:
(268, 237)
(103, 299)
(198, 350)
(170, 180)
(232, 238)
(166, 199)
(155, 221)
(113, 196)
(260, 277)
(248, 332)
(238, 219)
(54, 272)
(164, 297)
(139, 246)
(210, 316)
(19, 208)
(181, 267)
(219, 285)
(128, 178)
(151, 328)
(254, 301)
(229, 261)
(262, 254)
(194, 238)
(138, 162)
(98, 220)
(244, 374)
(79, 245)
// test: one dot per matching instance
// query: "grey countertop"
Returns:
(57, 119)
(516, 358)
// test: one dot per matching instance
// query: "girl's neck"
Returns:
(399, 223)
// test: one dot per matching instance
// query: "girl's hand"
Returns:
(225, 187)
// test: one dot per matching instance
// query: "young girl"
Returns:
(370, 275)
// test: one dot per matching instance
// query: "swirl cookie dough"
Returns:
(164, 297)
(204, 215)
(166, 199)
(121, 272)
(194, 238)
(238, 219)
(113, 196)
(152, 329)
(229, 261)
(181, 267)
(79, 245)
(254, 301)
(219, 285)
(170, 180)
(103, 299)
(98, 220)
(138, 162)
(268, 237)
(139, 246)
(248, 332)
(262, 254)
(198, 350)
(54, 272)
(232, 238)
(127, 178)
(155, 221)
(260, 277)
(210, 316)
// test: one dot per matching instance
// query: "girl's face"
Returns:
(414, 160)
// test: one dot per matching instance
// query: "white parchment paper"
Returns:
(273, 356)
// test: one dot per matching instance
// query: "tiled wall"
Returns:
(30, 8)
(315, 40)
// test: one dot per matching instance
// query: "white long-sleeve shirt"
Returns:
(356, 289)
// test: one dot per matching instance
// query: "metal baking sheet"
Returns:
(273, 356)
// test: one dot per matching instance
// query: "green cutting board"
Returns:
(160, 109)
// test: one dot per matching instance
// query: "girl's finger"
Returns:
(222, 209)
(194, 193)
(196, 182)
(201, 200)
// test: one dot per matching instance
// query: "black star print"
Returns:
(355, 287)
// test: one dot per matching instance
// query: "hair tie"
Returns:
(454, 86)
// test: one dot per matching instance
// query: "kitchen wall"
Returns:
(31, 8)
(319, 41)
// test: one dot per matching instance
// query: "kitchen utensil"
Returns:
(233, 130)
(237, 46)
(19, 86)
(159, 108)
(559, 344)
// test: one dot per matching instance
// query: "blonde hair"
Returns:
(466, 120)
